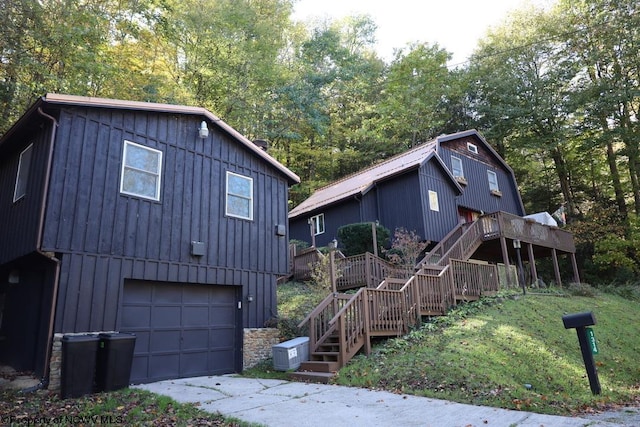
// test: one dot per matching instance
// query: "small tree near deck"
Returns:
(406, 248)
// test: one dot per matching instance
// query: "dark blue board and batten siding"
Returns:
(19, 220)
(437, 222)
(477, 195)
(104, 237)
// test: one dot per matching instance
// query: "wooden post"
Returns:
(556, 267)
(505, 259)
(532, 264)
(312, 232)
(576, 275)
(374, 236)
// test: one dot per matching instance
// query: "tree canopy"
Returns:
(555, 91)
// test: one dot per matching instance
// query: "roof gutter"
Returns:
(44, 381)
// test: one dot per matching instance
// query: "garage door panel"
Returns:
(222, 314)
(220, 360)
(164, 366)
(195, 339)
(182, 329)
(162, 341)
(194, 364)
(167, 294)
(195, 315)
(142, 342)
(137, 316)
(138, 294)
(166, 317)
(199, 294)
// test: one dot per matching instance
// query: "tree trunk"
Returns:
(563, 177)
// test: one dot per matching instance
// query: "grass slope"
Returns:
(511, 352)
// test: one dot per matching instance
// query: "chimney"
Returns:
(262, 143)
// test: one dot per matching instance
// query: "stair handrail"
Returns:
(464, 245)
(321, 306)
(446, 242)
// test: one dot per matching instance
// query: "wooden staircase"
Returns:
(343, 324)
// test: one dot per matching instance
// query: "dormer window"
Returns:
(472, 147)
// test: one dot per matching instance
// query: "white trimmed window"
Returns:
(317, 224)
(239, 196)
(433, 201)
(493, 181)
(456, 167)
(472, 147)
(22, 176)
(141, 171)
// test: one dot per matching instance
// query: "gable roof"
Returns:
(361, 182)
(479, 137)
(57, 99)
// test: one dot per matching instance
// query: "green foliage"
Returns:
(555, 91)
(321, 274)
(406, 249)
(356, 239)
(295, 301)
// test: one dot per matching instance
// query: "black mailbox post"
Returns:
(579, 322)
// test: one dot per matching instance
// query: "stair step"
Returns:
(324, 357)
(319, 366)
(312, 377)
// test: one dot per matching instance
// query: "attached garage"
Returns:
(183, 330)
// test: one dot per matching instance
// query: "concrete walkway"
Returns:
(276, 403)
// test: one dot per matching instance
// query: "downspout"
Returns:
(44, 381)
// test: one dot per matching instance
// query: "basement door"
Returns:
(182, 330)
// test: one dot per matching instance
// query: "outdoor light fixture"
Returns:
(203, 132)
(14, 277)
(250, 298)
(333, 244)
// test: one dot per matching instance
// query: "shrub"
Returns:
(356, 238)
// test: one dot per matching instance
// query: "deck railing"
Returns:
(319, 320)
(303, 262)
(393, 307)
(472, 280)
(463, 240)
(435, 292)
(529, 231)
(365, 270)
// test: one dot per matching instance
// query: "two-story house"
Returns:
(160, 220)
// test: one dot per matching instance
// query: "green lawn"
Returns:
(511, 352)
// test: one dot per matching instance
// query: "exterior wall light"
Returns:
(203, 131)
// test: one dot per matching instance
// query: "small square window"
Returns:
(141, 171)
(317, 224)
(22, 176)
(473, 148)
(239, 196)
(433, 201)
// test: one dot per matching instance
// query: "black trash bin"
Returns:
(78, 365)
(115, 355)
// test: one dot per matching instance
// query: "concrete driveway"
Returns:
(283, 403)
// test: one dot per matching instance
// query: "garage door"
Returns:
(182, 330)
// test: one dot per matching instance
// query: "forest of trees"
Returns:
(556, 92)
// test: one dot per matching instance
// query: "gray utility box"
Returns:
(290, 354)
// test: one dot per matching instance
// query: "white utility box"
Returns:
(290, 354)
